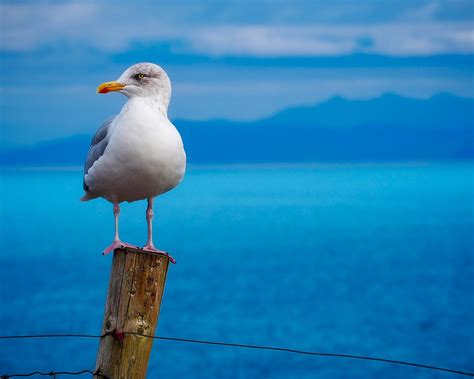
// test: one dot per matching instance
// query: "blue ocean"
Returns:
(373, 260)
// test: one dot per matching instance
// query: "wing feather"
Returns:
(98, 145)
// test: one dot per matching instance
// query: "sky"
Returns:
(239, 60)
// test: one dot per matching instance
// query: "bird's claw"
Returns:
(116, 245)
(152, 249)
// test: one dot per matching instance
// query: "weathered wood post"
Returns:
(137, 281)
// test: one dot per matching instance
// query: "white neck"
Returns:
(157, 103)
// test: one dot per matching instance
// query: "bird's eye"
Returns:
(139, 76)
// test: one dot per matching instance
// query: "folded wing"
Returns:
(98, 145)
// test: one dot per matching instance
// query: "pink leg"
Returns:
(149, 243)
(116, 244)
(149, 220)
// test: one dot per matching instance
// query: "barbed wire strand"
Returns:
(228, 344)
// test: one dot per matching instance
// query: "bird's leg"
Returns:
(149, 220)
(117, 243)
(116, 218)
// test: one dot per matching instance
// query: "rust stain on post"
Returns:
(137, 282)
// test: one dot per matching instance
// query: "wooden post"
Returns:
(137, 281)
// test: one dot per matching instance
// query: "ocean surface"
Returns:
(371, 260)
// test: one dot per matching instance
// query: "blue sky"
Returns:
(227, 59)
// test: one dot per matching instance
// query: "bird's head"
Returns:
(143, 80)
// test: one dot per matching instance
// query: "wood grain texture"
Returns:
(133, 303)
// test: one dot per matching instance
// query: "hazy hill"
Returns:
(388, 128)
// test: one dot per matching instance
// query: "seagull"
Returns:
(137, 154)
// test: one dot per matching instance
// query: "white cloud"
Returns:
(27, 27)
(424, 12)
(416, 38)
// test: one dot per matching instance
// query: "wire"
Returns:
(53, 336)
(349, 356)
(120, 335)
(54, 373)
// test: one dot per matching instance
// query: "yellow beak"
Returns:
(109, 87)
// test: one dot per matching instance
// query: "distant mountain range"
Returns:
(387, 128)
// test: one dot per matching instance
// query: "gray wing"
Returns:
(98, 145)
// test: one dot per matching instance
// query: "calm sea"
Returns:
(370, 260)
